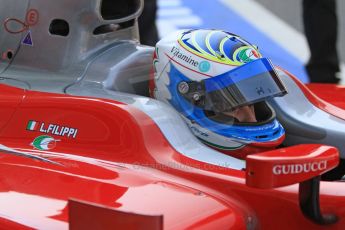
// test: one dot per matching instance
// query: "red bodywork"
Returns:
(119, 160)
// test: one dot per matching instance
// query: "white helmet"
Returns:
(210, 76)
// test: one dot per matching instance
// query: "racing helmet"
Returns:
(219, 83)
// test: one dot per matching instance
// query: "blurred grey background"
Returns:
(291, 12)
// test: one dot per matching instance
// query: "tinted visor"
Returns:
(247, 84)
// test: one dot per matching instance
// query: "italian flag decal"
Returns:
(32, 125)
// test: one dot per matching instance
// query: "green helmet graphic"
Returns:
(44, 142)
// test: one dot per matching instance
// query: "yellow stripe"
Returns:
(228, 59)
(239, 50)
(196, 45)
(221, 47)
(208, 43)
(203, 54)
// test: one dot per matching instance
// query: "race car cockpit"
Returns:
(94, 51)
(83, 140)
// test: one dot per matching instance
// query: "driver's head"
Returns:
(219, 83)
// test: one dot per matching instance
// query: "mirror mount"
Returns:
(301, 164)
(309, 193)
